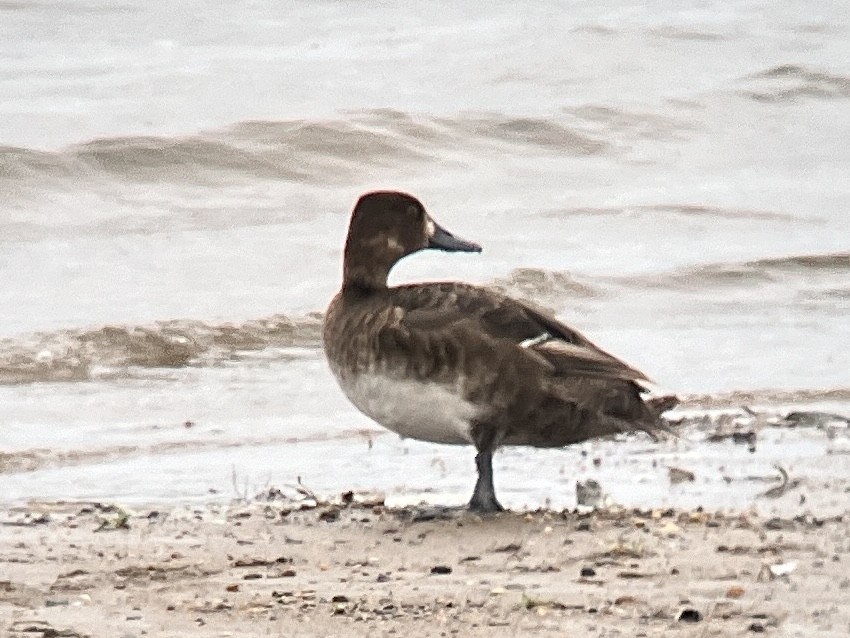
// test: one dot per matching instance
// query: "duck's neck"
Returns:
(364, 275)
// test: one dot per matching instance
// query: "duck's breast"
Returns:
(413, 408)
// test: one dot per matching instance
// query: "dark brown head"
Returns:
(385, 227)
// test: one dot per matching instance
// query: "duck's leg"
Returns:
(484, 497)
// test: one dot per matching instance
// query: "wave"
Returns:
(738, 398)
(788, 82)
(549, 287)
(683, 210)
(80, 355)
(835, 262)
(536, 133)
(109, 351)
(776, 269)
(628, 126)
(677, 33)
(31, 460)
(833, 293)
(544, 287)
(292, 152)
(311, 151)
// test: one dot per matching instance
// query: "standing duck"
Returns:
(450, 362)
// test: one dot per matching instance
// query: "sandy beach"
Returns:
(357, 568)
(177, 180)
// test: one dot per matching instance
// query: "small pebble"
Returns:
(735, 591)
(689, 615)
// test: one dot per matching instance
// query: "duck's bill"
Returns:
(441, 239)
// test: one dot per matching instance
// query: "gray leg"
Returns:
(484, 497)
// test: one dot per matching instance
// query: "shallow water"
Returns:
(176, 185)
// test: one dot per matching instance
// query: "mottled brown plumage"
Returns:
(497, 371)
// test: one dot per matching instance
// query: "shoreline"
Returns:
(783, 461)
(361, 568)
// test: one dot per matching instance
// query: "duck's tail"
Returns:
(593, 411)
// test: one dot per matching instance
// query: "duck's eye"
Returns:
(414, 211)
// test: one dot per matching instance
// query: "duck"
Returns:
(455, 363)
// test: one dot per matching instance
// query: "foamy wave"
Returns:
(296, 151)
(544, 287)
(789, 82)
(75, 355)
(738, 398)
(78, 355)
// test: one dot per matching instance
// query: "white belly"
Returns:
(424, 411)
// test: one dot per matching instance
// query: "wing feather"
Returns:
(483, 313)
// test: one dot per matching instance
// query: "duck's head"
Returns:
(385, 227)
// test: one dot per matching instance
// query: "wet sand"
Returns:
(355, 567)
(733, 458)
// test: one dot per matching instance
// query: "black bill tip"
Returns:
(441, 239)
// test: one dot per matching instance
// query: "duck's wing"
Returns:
(492, 316)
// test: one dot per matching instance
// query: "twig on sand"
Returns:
(241, 494)
(785, 486)
(306, 492)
